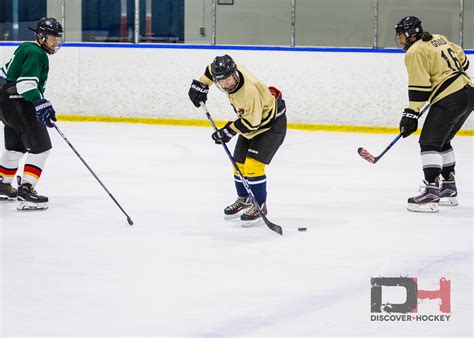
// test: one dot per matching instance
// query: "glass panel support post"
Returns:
(293, 23)
(214, 22)
(63, 18)
(376, 23)
(461, 22)
(136, 30)
(15, 24)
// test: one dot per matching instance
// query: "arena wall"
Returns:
(347, 87)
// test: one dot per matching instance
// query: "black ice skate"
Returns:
(252, 217)
(236, 209)
(448, 192)
(28, 198)
(428, 200)
(7, 192)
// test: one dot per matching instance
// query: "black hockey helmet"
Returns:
(409, 26)
(223, 67)
(46, 27)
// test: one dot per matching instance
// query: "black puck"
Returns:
(302, 229)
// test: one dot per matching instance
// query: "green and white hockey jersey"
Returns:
(28, 68)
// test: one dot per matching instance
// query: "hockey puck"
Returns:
(302, 229)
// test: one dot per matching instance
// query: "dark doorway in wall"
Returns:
(162, 21)
(114, 20)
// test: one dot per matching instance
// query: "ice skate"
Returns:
(428, 200)
(252, 217)
(236, 209)
(28, 199)
(448, 192)
(7, 192)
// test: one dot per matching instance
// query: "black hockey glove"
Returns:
(224, 134)
(409, 122)
(198, 93)
(45, 112)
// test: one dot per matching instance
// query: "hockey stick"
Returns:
(129, 220)
(374, 159)
(270, 225)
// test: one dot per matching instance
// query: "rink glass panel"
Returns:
(114, 21)
(437, 16)
(250, 22)
(338, 23)
(320, 23)
(468, 29)
(17, 15)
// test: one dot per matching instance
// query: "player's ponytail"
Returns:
(426, 36)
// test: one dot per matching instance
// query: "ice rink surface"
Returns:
(78, 269)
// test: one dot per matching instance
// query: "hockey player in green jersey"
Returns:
(437, 75)
(260, 123)
(25, 114)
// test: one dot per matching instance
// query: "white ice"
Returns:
(78, 269)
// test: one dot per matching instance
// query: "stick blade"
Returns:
(366, 155)
(272, 226)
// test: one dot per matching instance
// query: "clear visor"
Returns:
(50, 43)
(54, 42)
(400, 40)
(229, 84)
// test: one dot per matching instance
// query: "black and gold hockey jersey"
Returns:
(436, 69)
(252, 101)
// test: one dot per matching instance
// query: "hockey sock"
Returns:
(432, 163)
(9, 165)
(258, 185)
(255, 172)
(449, 161)
(34, 165)
(239, 186)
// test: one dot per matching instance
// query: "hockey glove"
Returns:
(198, 93)
(3, 81)
(223, 135)
(45, 112)
(409, 122)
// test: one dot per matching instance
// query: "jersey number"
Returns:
(8, 64)
(454, 58)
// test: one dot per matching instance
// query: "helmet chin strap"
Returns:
(408, 43)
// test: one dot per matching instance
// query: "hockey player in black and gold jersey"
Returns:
(261, 125)
(437, 75)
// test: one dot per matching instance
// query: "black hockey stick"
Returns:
(129, 220)
(270, 225)
(374, 159)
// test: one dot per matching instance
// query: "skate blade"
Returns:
(427, 207)
(31, 206)
(251, 224)
(7, 199)
(234, 217)
(448, 201)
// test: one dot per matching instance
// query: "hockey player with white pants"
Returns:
(436, 74)
(26, 114)
(261, 125)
